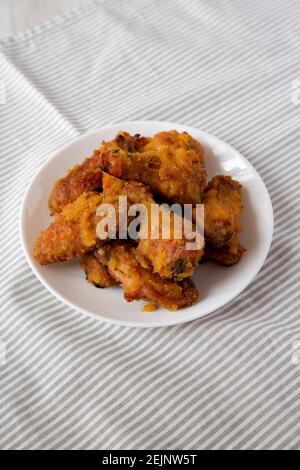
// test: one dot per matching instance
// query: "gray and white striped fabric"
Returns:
(228, 381)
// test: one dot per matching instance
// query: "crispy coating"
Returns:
(136, 192)
(171, 163)
(169, 257)
(96, 272)
(72, 233)
(227, 255)
(222, 209)
(81, 178)
(139, 283)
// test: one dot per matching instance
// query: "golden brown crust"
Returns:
(72, 233)
(140, 283)
(222, 209)
(96, 273)
(169, 257)
(81, 178)
(171, 163)
(135, 191)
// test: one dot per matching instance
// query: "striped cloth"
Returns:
(228, 381)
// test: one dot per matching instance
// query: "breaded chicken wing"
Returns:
(222, 210)
(81, 178)
(227, 255)
(171, 163)
(140, 283)
(72, 233)
(96, 272)
(170, 256)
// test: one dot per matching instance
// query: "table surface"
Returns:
(19, 15)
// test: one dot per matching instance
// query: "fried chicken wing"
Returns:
(170, 256)
(96, 272)
(222, 209)
(128, 268)
(81, 178)
(227, 255)
(72, 233)
(171, 163)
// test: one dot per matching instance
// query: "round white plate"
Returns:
(217, 284)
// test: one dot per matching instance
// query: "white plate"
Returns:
(217, 285)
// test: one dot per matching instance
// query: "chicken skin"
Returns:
(96, 273)
(81, 178)
(74, 231)
(129, 269)
(170, 163)
(222, 210)
(169, 257)
(227, 255)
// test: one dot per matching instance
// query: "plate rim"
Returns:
(135, 324)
